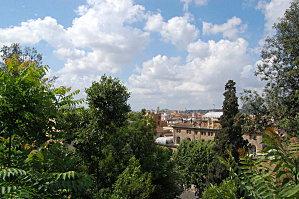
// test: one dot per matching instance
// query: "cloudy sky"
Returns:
(174, 54)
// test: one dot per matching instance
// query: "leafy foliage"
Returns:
(193, 161)
(274, 175)
(27, 103)
(275, 112)
(112, 136)
(132, 183)
(226, 190)
(108, 101)
(21, 184)
(279, 70)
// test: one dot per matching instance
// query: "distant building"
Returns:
(187, 131)
(206, 129)
(213, 115)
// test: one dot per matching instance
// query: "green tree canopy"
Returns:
(35, 162)
(27, 103)
(192, 161)
(133, 183)
(279, 69)
(108, 100)
(226, 190)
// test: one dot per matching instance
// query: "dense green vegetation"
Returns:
(234, 173)
(54, 147)
(274, 114)
(193, 163)
(278, 69)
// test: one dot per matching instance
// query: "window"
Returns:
(189, 131)
(188, 139)
(178, 140)
(195, 132)
(178, 130)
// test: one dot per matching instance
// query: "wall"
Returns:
(205, 134)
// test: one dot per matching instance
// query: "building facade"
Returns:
(190, 132)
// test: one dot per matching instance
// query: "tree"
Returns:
(226, 190)
(27, 103)
(35, 161)
(274, 175)
(279, 69)
(229, 139)
(114, 135)
(107, 100)
(192, 161)
(133, 183)
(256, 113)
(99, 141)
(230, 135)
(139, 142)
(23, 54)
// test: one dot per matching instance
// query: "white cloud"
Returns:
(230, 30)
(101, 39)
(197, 82)
(177, 30)
(197, 49)
(273, 10)
(154, 23)
(33, 31)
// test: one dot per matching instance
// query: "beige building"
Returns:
(188, 131)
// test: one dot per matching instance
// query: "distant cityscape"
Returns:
(174, 126)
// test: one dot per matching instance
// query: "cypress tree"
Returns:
(230, 136)
(229, 139)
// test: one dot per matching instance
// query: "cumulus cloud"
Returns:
(196, 82)
(34, 31)
(101, 39)
(177, 30)
(104, 37)
(230, 30)
(273, 10)
(155, 23)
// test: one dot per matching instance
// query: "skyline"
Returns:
(173, 54)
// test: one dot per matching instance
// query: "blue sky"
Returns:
(173, 54)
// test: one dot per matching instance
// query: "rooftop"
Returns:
(213, 114)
